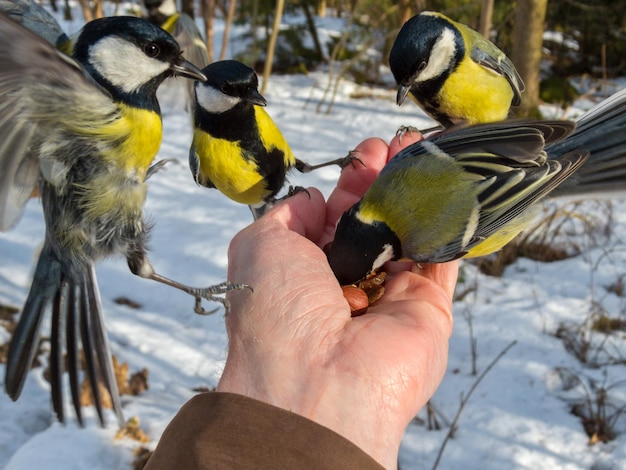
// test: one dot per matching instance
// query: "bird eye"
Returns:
(225, 89)
(422, 67)
(152, 50)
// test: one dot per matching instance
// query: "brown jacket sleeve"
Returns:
(228, 431)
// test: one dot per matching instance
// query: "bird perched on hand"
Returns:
(462, 193)
(86, 129)
(452, 72)
(236, 147)
(164, 14)
(468, 192)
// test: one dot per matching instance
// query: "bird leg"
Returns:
(342, 162)
(259, 210)
(140, 265)
(199, 293)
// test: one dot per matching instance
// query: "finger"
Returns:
(303, 213)
(411, 296)
(400, 142)
(259, 245)
(354, 181)
(442, 274)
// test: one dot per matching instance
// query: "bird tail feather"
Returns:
(601, 132)
(76, 316)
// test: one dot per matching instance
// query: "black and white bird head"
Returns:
(426, 51)
(229, 83)
(130, 56)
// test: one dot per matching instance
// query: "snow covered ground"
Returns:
(518, 416)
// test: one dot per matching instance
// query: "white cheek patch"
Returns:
(123, 64)
(440, 56)
(382, 258)
(214, 101)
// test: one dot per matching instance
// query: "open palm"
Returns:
(293, 343)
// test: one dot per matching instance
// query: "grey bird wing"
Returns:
(194, 49)
(520, 140)
(194, 166)
(34, 17)
(191, 41)
(489, 56)
(43, 92)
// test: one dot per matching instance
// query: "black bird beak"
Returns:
(402, 92)
(186, 69)
(254, 97)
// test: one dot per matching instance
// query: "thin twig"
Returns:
(467, 314)
(465, 399)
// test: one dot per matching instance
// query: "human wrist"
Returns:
(371, 422)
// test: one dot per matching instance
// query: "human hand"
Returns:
(293, 343)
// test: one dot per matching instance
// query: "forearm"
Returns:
(225, 430)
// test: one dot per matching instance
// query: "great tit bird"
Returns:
(86, 129)
(468, 192)
(452, 72)
(182, 27)
(462, 193)
(236, 147)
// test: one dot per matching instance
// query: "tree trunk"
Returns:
(188, 8)
(526, 55)
(229, 21)
(310, 21)
(87, 13)
(254, 21)
(92, 10)
(321, 8)
(486, 13)
(208, 14)
(404, 11)
(267, 70)
(67, 11)
(98, 9)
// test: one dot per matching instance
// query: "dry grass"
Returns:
(7, 321)
(600, 407)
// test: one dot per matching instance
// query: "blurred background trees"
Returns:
(549, 41)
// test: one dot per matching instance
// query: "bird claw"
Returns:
(211, 294)
(350, 159)
(404, 130)
(199, 309)
(293, 190)
(343, 162)
(158, 166)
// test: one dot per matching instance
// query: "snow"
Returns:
(518, 416)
